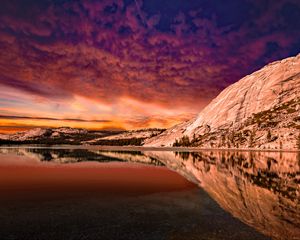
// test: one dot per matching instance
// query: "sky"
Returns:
(131, 64)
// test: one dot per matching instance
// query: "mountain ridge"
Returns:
(78, 136)
(233, 118)
(261, 111)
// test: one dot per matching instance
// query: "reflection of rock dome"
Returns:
(261, 189)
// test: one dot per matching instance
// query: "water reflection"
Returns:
(65, 155)
(260, 188)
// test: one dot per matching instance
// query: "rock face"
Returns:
(262, 110)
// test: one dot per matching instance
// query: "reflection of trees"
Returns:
(69, 155)
(83, 155)
(237, 162)
(260, 188)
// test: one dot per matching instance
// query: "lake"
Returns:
(82, 192)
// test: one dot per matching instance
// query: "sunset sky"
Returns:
(129, 64)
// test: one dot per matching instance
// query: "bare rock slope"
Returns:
(262, 110)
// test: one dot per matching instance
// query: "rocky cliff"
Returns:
(262, 110)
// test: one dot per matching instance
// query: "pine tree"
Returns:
(269, 136)
(194, 138)
(176, 143)
(298, 142)
(223, 139)
(280, 145)
(185, 141)
(251, 140)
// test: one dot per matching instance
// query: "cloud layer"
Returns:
(134, 63)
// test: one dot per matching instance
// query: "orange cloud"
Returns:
(133, 68)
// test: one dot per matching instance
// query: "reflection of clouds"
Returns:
(259, 188)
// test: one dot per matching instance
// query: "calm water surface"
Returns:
(69, 193)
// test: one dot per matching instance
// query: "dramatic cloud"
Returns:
(134, 63)
(52, 119)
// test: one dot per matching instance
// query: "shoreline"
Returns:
(142, 148)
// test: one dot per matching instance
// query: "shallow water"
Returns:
(69, 193)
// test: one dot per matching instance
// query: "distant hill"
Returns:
(74, 136)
